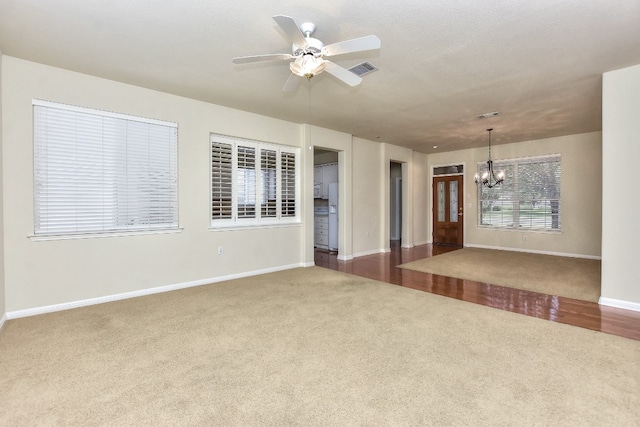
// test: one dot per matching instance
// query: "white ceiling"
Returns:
(442, 62)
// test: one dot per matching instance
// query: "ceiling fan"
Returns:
(308, 53)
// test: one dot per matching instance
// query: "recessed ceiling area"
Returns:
(441, 64)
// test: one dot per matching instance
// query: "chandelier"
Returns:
(489, 177)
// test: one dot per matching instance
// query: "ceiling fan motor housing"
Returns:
(313, 46)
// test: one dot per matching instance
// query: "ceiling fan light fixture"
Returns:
(307, 65)
(308, 53)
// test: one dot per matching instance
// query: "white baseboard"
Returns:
(2, 320)
(372, 252)
(409, 246)
(532, 251)
(627, 305)
(421, 243)
(142, 292)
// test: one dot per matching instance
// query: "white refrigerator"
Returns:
(333, 216)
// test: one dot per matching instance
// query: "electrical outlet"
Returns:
(220, 250)
(524, 237)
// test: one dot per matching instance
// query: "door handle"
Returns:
(460, 214)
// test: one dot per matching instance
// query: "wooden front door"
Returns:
(447, 210)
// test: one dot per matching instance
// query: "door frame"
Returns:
(466, 203)
(406, 237)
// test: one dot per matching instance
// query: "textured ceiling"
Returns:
(441, 63)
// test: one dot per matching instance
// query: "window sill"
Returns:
(521, 230)
(237, 227)
(101, 235)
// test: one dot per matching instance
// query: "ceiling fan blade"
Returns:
(342, 73)
(260, 58)
(292, 83)
(353, 45)
(291, 29)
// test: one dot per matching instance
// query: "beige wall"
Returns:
(41, 273)
(53, 272)
(581, 194)
(2, 287)
(421, 202)
(620, 209)
(394, 153)
(371, 203)
(367, 202)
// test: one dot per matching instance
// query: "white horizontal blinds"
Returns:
(288, 170)
(221, 180)
(496, 204)
(529, 197)
(539, 194)
(151, 194)
(268, 193)
(102, 172)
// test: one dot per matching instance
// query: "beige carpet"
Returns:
(576, 278)
(311, 347)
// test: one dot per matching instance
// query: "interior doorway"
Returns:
(395, 202)
(326, 209)
(448, 212)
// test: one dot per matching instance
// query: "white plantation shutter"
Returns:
(246, 182)
(221, 180)
(268, 169)
(97, 172)
(252, 182)
(288, 168)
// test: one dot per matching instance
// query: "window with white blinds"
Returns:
(529, 197)
(102, 172)
(252, 182)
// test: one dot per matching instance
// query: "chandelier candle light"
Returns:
(489, 177)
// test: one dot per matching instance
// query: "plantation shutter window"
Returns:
(246, 182)
(102, 172)
(529, 197)
(288, 184)
(252, 183)
(221, 180)
(268, 169)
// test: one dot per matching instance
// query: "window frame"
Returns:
(235, 220)
(166, 187)
(517, 200)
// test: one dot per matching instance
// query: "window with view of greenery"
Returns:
(529, 197)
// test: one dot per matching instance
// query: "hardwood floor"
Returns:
(382, 267)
